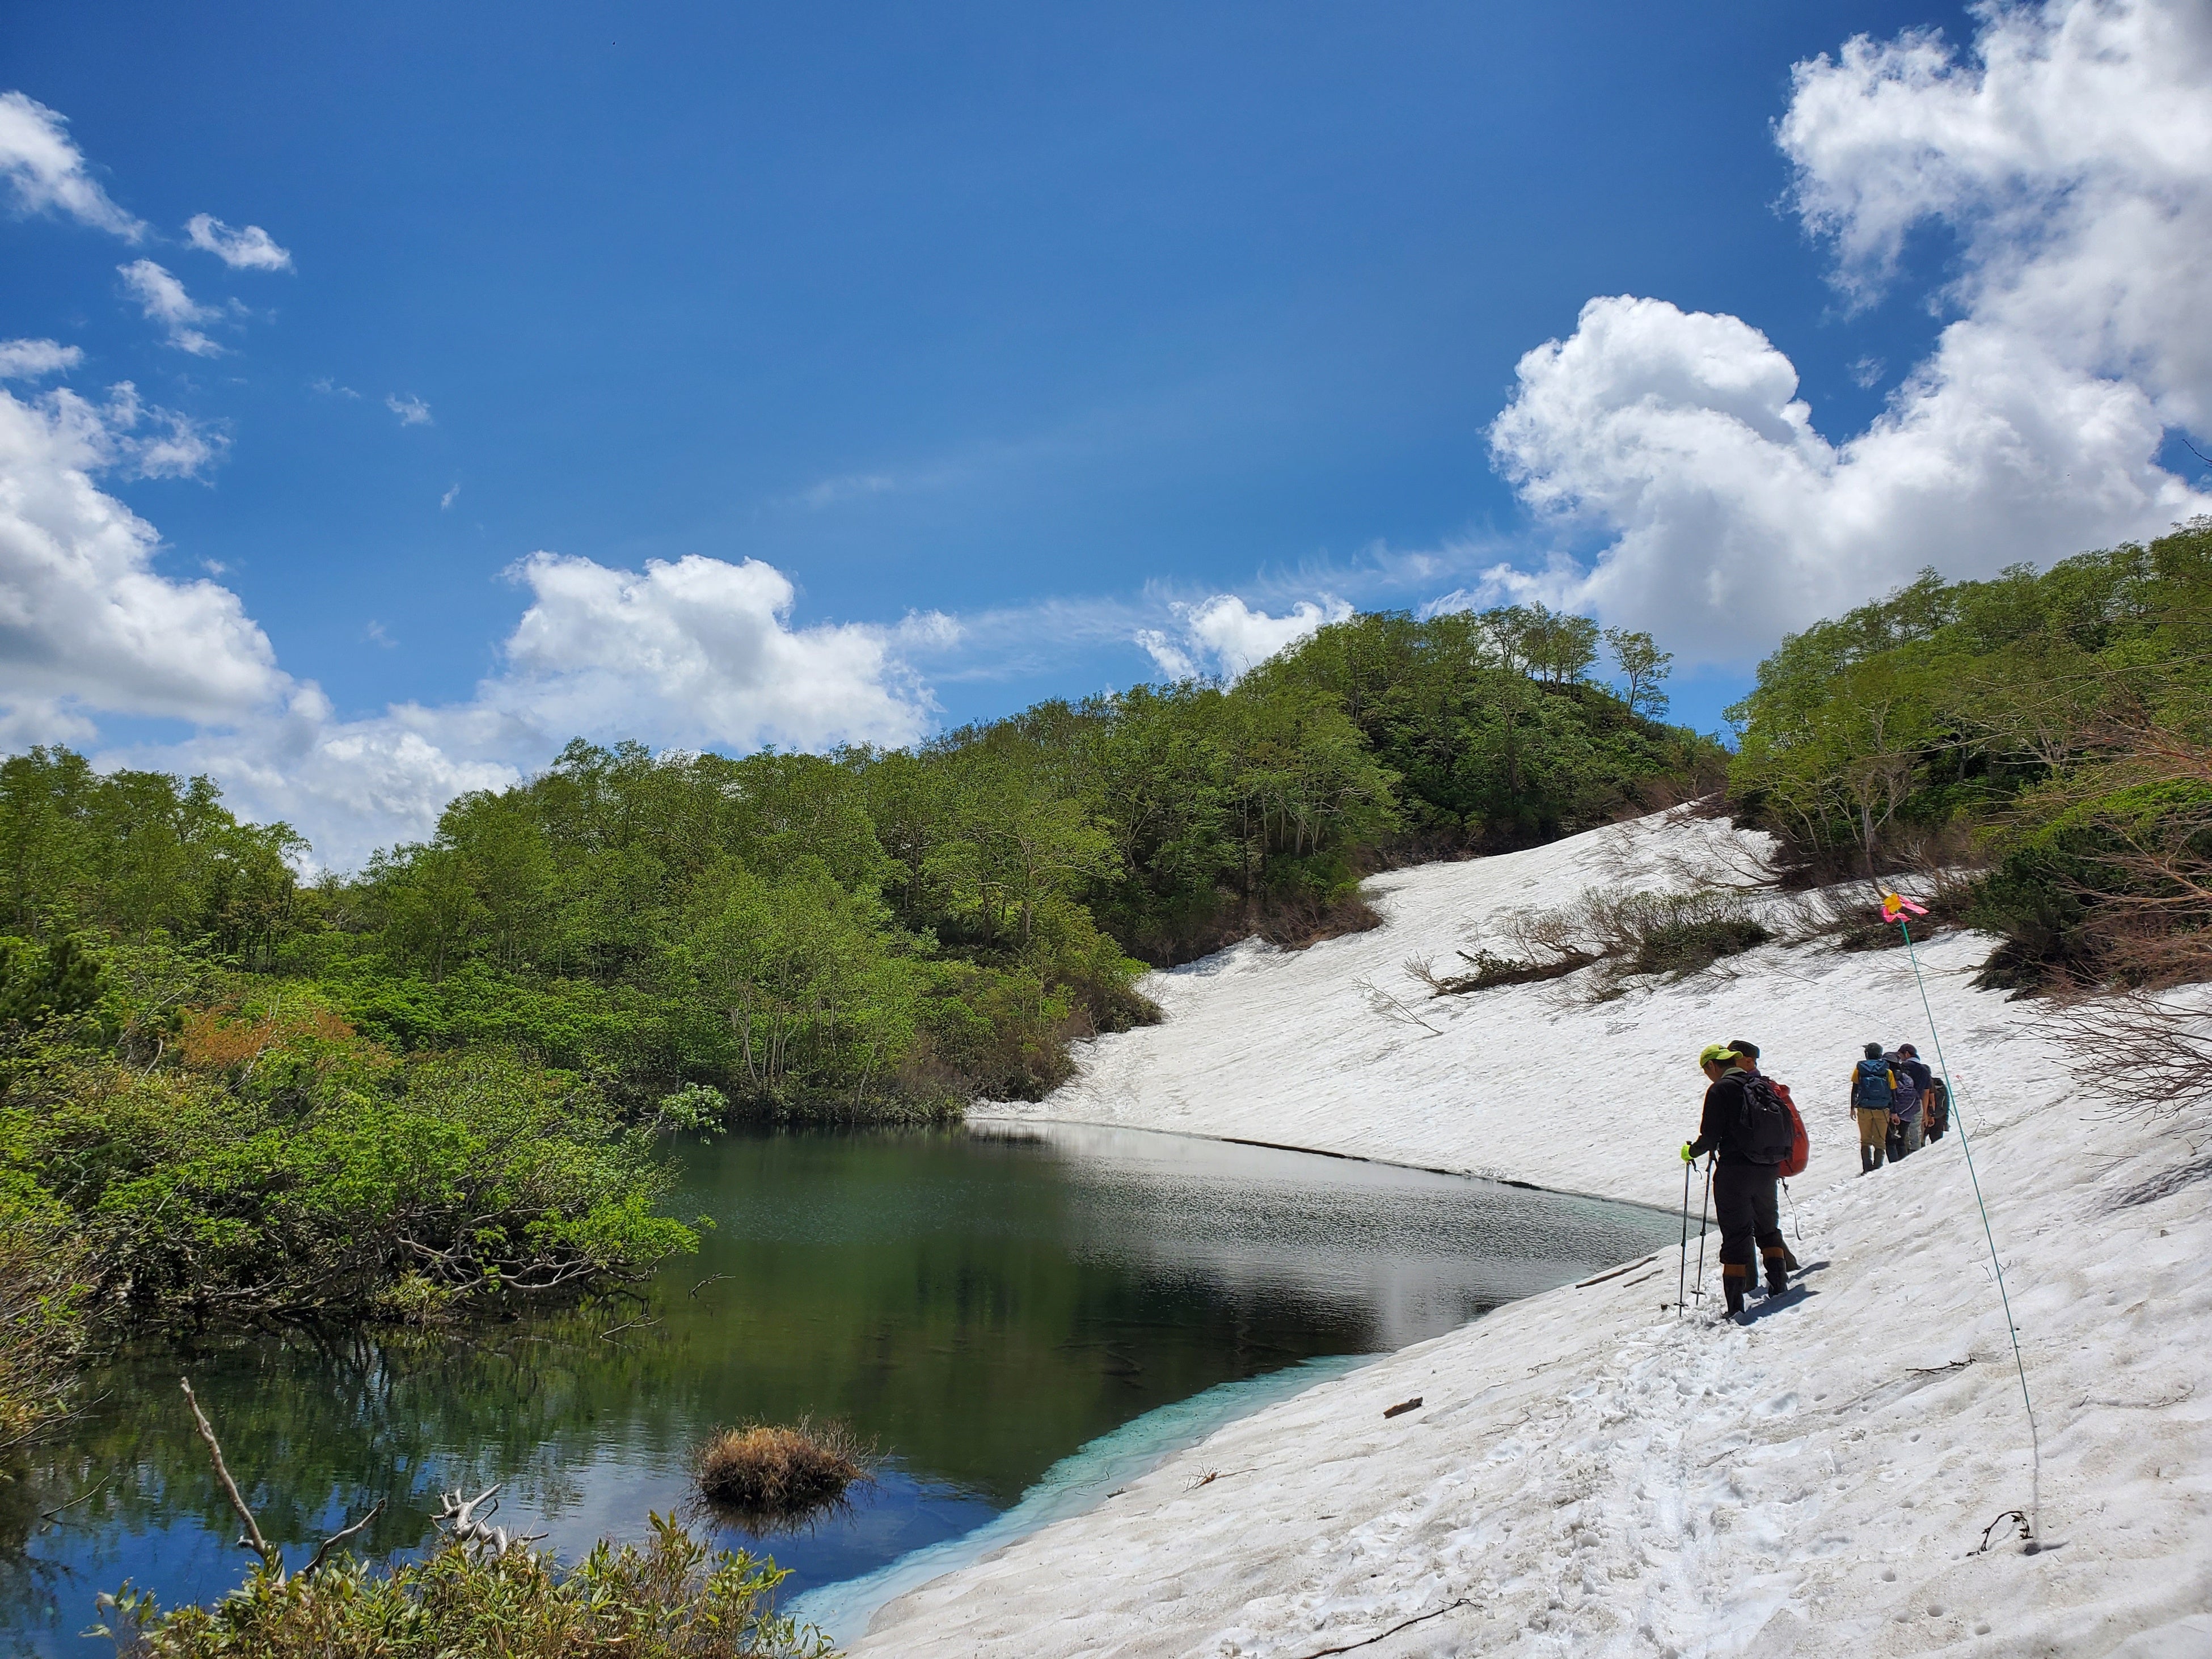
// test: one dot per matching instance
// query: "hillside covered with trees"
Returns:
(228, 1092)
(2052, 730)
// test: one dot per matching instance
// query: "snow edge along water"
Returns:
(1589, 1477)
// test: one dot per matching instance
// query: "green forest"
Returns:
(436, 1083)
(439, 1083)
(2048, 732)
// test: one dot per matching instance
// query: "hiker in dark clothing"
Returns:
(1872, 1086)
(1745, 1200)
(1749, 1051)
(1903, 1109)
(1912, 1065)
(1934, 1100)
(1910, 1109)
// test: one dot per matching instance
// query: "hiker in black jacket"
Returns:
(1748, 1057)
(1744, 1197)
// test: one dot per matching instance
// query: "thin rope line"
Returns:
(2034, 1439)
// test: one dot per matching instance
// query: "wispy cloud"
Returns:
(846, 487)
(411, 412)
(46, 172)
(165, 301)
(373, 631)
(250, 249)
(330, 388)
(31, 360)
(449, 498)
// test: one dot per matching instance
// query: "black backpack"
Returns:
(1767, 1134)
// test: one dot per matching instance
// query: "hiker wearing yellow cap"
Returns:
(1750, 1131)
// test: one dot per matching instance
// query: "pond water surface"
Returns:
(1009, 1314)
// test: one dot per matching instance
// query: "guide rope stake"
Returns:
(1895, 907)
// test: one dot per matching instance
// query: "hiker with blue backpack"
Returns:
(1914, 1083)
(1750, 1132)
(1874, 1088)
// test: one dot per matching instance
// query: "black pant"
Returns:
(1747, 1205)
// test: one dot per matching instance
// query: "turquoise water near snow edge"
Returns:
(1080, 1482)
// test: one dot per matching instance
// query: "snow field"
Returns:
(1590, 1475)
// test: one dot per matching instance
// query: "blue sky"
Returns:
(1050, 326)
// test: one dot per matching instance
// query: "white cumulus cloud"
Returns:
(165, 301)
(350, 786)
(46, 172)
(691, 652)
(696, 652)
(32, 360)
(411, 412)
(699, 650)
(2071, 155)
(250, 249)
(86, 622)
(1223, 635)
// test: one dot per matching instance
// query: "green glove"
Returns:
(1688, 1156)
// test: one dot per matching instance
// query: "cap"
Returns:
(1908, 1051)
(1748, 1050)
(1873, 1051)
(1716, 1053)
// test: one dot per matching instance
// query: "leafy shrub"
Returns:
(672, 1599)
(42, 1294)
(1680, 934)
(318, 1175)
(2055, 724)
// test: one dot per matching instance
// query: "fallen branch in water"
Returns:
(272, 1558)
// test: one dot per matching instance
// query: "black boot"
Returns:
(1778, 1271)
(1735, 1279)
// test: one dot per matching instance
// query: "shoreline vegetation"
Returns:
(434, 1089)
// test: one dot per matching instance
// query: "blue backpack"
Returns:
(1871, 1092)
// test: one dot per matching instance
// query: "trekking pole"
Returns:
(2034, 1440)
(1682, 1279)
(1703, 1205)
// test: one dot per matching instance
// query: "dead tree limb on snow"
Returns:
(2168, 1049)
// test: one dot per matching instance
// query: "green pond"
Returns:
(1016, 1316)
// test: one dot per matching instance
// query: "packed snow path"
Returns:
(1590, 1475)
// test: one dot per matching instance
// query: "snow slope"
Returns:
(1590, 1475)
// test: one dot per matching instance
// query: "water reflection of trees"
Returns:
(977, 1368)
(958, 1308)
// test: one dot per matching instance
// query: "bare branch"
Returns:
(337, 1538)
(457, 1516)
(1382, 1002)
(2167, 1050)
(271, 1556)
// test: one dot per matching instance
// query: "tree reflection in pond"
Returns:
(978, 1303)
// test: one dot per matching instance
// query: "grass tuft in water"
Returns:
(768, 1475)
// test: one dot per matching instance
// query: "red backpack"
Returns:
(1801, 1144)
